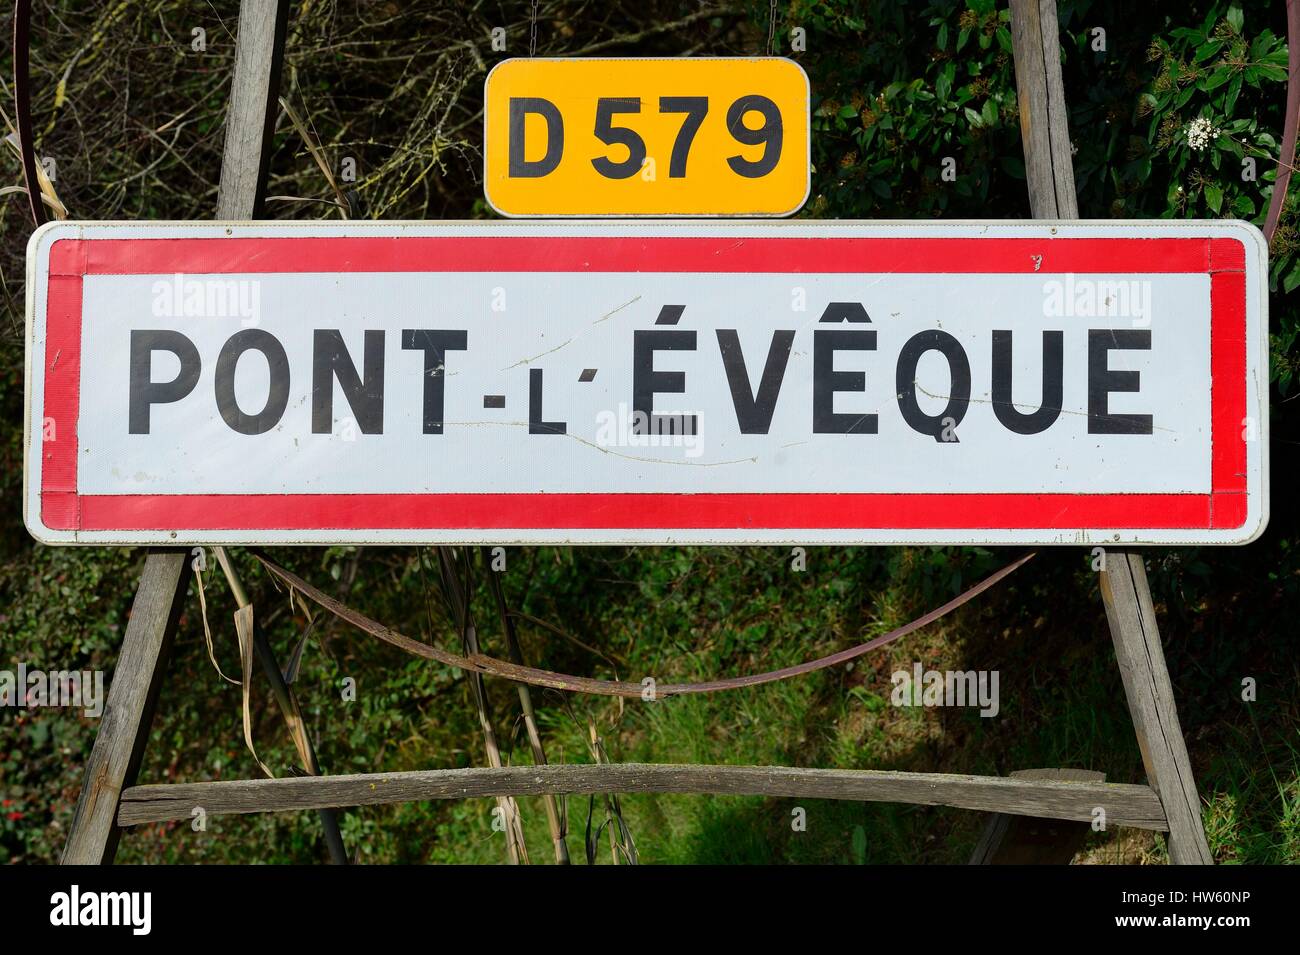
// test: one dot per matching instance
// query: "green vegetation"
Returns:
(133, 117)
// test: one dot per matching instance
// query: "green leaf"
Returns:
(1213, 197)
(974, 118)
(943, 84)
(1220, 76)
(1234, 88)
(1236, 19)
(860, 845)
(1207, 50)
(990, 112)
(1293, 277)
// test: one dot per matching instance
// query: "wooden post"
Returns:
(1127, 595)
(1044, 132)
(128, 713)
(254, 98)
(1049, 170)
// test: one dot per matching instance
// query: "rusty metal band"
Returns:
(479, 663)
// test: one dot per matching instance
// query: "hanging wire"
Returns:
(532, 39)
(771, 31)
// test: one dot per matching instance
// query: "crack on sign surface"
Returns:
(570, 339)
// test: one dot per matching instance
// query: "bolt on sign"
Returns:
(646, 137)
(828, 382)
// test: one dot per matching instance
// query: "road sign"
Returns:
(1080, 383)
(689, 136)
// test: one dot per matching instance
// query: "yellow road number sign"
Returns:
(646, 137)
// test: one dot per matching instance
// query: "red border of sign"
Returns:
(1225, 507)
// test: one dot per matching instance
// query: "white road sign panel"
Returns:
(594, 382)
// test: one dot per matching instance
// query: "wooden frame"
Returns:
(110, 801)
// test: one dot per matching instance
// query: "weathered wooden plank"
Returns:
(128, 712)
(1132, 618)
(1025, 840)
(250, 116)
(1126, 805)
(1040, 93)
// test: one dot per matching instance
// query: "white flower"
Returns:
(1201, 132)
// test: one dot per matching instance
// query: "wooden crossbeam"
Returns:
(1125, 805)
